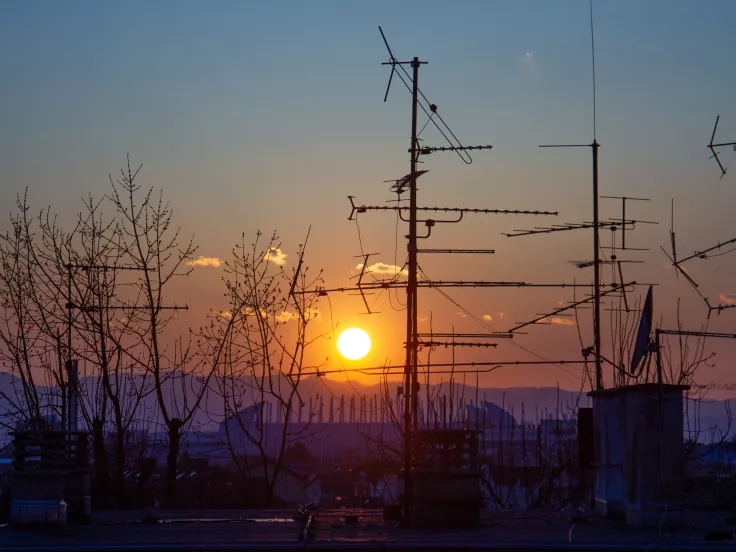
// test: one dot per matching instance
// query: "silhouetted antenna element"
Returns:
(430, 109)
(712, 146)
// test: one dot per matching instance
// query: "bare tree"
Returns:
(25, 350)
(259, 346)
(94, 259)
(152, 244)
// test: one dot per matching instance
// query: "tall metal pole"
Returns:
(659, 355)
(596, 272)
(72, 391)
(413, 247)
(410, 377)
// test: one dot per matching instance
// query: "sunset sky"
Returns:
(266, 115)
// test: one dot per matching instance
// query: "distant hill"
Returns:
(528, 403)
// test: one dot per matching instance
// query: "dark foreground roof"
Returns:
(274, 531)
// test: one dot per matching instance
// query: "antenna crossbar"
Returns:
(427, 150)
(703, 254)
(390, 284)
(363, 208)
(447, 344)
(495, 335)
(380, 370)
(555, 312)
(562, 228)
(458, 251)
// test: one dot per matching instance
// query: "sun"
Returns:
(354, 343)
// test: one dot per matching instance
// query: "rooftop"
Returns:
(275, 530)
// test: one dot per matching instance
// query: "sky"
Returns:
(267, 115)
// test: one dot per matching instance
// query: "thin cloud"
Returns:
(500, 315)
(557, 321)
(383, 268)
(423, 318)
(529, 63)
(200, 261)
(671, 266)
(461, 314)
(728, 298)
(285, 317)
(561, 321)
(487, 318)
(276, 256)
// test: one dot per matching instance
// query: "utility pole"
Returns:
(411, 290)
(411, 372)
(414, 340)
(411, 303)
(596, 272)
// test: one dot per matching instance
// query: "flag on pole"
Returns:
(645, 328)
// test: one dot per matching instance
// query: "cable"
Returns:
(425, 125)
(720, 254)
(488, 326)
(391, 281)
(466, 158)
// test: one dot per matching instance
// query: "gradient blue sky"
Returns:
(265, 115)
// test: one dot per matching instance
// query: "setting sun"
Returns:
(354, 343)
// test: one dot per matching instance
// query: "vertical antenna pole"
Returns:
(67, 424)
(596, 272)
(659, 355)
(413, 251)
(410, 371)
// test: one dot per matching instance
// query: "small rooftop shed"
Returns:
(639, 453)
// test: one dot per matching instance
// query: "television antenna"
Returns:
(615, 224)
(712, 147)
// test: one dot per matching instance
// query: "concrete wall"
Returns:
(639, 452)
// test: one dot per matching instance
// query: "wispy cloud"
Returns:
(423, 318)
(728, 298)
(561, 321)
(200, 261)
(487, 318)
(530, 63)
(500, 315)
(285, 316)
(682, 268)
(462, 314)
(383, 268)
(557, 321)
(276, 256)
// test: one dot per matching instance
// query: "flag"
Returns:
(642, 337)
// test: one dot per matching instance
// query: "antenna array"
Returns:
(712, 147)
